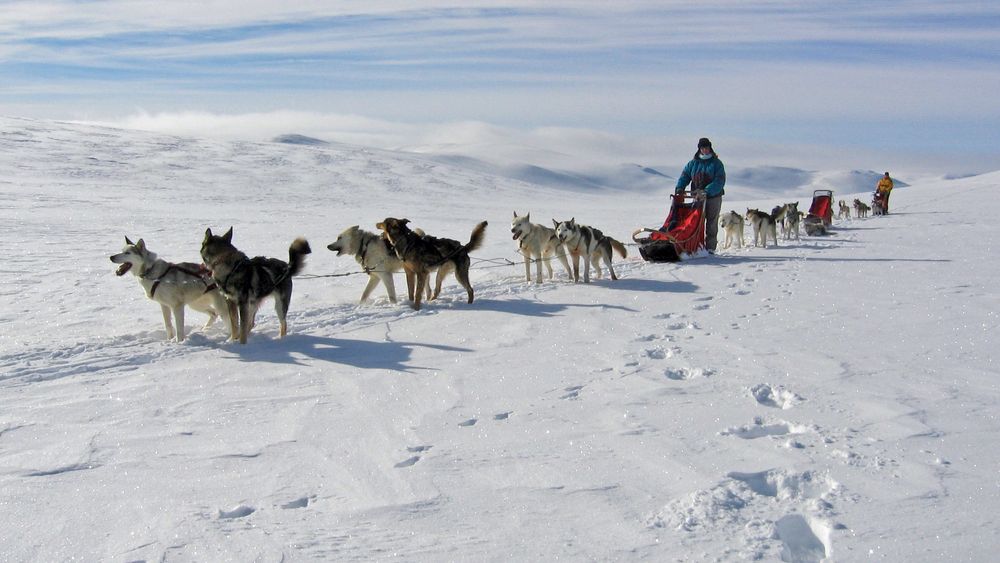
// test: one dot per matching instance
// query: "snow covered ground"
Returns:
(829, 398)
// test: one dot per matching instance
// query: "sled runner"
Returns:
(682, 233)
(820, 214)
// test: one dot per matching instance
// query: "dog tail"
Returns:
(297, 256)
(476, 240)
(619, 247)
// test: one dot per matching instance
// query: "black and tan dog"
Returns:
(247, 281)
(422, 255)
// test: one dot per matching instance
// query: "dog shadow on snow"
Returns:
(366, 354)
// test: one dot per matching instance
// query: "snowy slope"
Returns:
(830, 398)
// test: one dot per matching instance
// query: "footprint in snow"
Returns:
(659, 353)
(760, 429)
(409, 462)
(572, 392)
(683, 374)
(470, 422)
(297, 503)
(776, 397)
(503, 415)
(799, 539)
(240, 511)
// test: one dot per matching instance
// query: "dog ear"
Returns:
(404, 221)
(128, 241)
(555, 223)
(515, 214)
(228, 237)
(141, 245)
(528, 217)
(572, 221)
(208, 233)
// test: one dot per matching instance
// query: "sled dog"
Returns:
(763, 226)
(375, 255)
(845, 210)
(860, 209)
(732, 223)
(422, 255)
(539, 243)
(813, 226)
(790, 226)
(877, 207)
(247, 281)
(173, 286)
(590, 244)
(778, 215)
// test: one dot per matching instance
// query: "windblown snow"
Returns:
(832, 398)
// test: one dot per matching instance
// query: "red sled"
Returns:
(683, 233)
(820, 214)
(822, 206)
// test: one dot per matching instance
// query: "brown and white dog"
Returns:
(422, 255)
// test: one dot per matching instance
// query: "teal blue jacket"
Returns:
(708, 175)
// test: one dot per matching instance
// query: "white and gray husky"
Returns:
(590, 244)
(732, 223)
(247, 281)
(376, 256)
(763, 226)
(539, 243)
(790, 226)
(173, 286)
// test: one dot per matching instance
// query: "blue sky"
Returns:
(907, 79)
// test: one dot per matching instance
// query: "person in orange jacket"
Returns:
(882, 189)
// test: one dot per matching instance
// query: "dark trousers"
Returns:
(713, 207)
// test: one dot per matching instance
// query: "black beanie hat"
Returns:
(704, 142)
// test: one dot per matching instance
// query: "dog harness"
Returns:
(202, 274)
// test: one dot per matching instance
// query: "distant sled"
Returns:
(820, 213)
(682, 234)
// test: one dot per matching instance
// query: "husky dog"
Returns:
(763, 225)
(247, 281)
(422, 255)
(778, 215)
(589, 243)
(845, 210)
(173, 286)
(860, 209)
(732, 223)
(790, 225)
(878, 208)
(814, 226)
(374, 253)
(540, 243)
